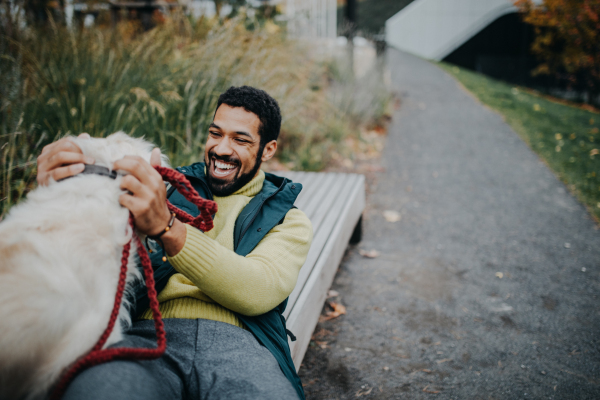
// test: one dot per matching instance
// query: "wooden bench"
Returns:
(334, 202)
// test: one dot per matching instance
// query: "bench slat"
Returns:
(340, 182)
(318, 187)
(334, 203)
(302, 177)
(321, 231)
(304, 313)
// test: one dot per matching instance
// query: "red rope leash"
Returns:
(204, 220)
(99, 356)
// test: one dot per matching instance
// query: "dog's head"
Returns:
(114, 147)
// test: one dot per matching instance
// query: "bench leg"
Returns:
(357, 233)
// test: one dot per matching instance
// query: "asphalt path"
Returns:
(486, 288)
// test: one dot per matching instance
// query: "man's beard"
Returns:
(223, 188)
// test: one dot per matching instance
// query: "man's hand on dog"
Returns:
(147, 197)
(60, 160)
(147, 200)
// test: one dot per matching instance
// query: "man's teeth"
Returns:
(221, 165)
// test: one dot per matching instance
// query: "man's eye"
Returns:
(214, 133)
(242, 141)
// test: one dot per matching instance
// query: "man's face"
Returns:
(233, 153)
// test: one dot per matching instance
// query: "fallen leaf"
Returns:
(391, 215)
(443, 360)
(430, 391)
(499, 275)
(321, 333)
(322, 345)
(369, 253)
(310, 383)
(332, 293)
(502, 308)
(364, 392)
(338, 309)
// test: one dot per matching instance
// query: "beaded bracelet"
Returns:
(157, 238)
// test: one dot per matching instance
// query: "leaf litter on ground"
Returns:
(321, 334)
(391, 215)
(337, 309)
(430, 391)
(322, 345)
(369, 253)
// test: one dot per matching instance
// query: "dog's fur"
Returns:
(60, 259)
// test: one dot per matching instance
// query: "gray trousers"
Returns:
(204, 360)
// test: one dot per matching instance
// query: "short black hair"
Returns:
(257, 102)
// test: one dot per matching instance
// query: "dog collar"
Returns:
(90, 169)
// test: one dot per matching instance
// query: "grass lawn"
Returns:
(565, 136)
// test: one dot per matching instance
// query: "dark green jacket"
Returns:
(265, 211)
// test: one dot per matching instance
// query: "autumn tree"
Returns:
(567, 40)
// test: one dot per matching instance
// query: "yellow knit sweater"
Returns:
(212, 280)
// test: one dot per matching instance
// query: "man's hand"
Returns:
(147, 201)
(60, 160)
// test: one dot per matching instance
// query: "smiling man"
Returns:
(222, 292)
(233, 154)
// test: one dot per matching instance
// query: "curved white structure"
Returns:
(433, 29)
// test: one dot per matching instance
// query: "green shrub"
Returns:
(162, 84)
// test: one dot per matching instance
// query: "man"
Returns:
(221, 292)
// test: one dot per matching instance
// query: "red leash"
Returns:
(98, 355)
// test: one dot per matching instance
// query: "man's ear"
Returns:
(269, 150)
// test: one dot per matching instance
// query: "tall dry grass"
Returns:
(162, 84)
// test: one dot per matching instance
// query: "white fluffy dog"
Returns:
(60, 259)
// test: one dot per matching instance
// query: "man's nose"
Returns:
(223, 148)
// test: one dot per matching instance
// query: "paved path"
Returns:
(487, 288)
